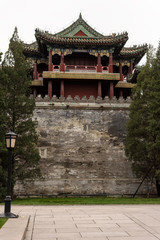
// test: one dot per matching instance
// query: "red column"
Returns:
(131, 68)
(110, 63)
(50, 89)
(62, 65)
(99, 89)
(35, 92)
(99, 66)
(35, 73)
(50, 65)
(62, 88)
(121, 93)
(111, 90)
(120, 70)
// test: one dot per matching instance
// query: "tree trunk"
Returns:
(158, 188)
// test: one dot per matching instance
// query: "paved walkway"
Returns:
(112, 222)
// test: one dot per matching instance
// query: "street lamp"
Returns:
(10, 145)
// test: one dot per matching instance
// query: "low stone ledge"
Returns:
(15, 228)
(84, 99)
(83, 105)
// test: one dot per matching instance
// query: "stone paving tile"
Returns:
(105, 221)
(84, 221)
(112, 229)
(105, 234)
(81, 218)
(67, 230)
(100, 217)
(44, 230)
(88, 238)
(48, 238)
(108, 225)
(62, 221)
(118, 216)
(43, 235)
(77, 230)
(130, 225)
(82, 225)
(68, 235)
(128, 221)
(156, 229)
(141, 233)
(39, 226)
(132, 238)
(67, 225)
(50, 222)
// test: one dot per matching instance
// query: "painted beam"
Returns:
(82, 76)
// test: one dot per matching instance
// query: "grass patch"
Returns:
(2, 221)
(84, 200)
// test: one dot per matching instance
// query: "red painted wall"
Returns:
(80, 33)
(80, 88)
(80, 59)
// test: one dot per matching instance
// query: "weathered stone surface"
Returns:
(82, 152)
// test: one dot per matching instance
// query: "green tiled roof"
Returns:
(107, 40)
(78, 25)
(33, 47)
(134, 50)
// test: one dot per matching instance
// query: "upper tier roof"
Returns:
(81, 34)
(78, 40)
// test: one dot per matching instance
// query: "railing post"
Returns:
(50, 65)
(50, 88)
(110, 63)
(99, 88)
(111, 90)
(62, 65)
(99, 66)
(62, 88)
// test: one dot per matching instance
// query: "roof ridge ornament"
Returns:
(80, 15)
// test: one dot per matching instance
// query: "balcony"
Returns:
(81, 72)
(80, 68)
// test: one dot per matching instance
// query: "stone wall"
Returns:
(81, 143)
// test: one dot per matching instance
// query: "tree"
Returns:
(3, 163)
(142, 145)
(19, 110)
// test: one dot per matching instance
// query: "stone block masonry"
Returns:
(81, 143)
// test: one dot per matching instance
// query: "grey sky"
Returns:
(140, 18)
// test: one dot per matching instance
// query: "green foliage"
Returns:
(3, 164)
(18, 110)
(3, 221)
(143, 129)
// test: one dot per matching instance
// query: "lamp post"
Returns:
(10, 145)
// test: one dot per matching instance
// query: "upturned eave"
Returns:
(122, 84)
(37, 83)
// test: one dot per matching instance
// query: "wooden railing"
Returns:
(80, 68)
(77, 68)
(56, 68)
